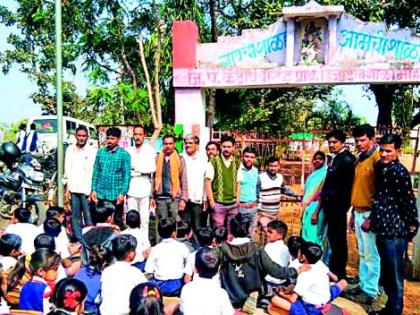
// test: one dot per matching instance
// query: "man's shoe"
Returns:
(361, 298)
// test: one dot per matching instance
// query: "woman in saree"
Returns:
(313, 218)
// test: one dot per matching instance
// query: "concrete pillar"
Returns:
(332, 40)
(290, 41)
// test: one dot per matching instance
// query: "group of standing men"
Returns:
(377, 187)
(190, 186)
(193, 185)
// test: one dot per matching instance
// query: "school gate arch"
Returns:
(310, 44)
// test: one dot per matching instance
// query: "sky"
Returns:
(16, 88)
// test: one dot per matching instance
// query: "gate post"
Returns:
(190, 103)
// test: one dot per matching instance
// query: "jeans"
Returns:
(251, 214)
(222, 214)
(337, 237)
(141, 205)
(391, 252)
(80, 213)
(167, 207)
(195, 215)
(369, 260)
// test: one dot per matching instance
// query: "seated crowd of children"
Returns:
(113, 272)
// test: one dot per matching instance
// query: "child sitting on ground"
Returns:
(276, 249)
(35, 294)
(166, 261)
(27, 231)
(90, 275)
(10, 250)
(205, 237)
(62, 240)
(312, 291)
(143, 245)
(47, 241)
(220, 236)
(204, 295)
(184, 235)
(68, 298)
(120, 278)
(102, 232)
(294, 243)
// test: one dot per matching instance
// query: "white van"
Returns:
(46, 126)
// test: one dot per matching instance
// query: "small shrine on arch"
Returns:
(307, 45)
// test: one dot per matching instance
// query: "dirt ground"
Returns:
(290, 213)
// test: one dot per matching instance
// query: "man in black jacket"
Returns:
(244, 264)
(336, 198)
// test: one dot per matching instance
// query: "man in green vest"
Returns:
(222, 188)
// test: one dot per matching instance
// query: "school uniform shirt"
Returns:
(61, 242)
(279, 253)
(7, 262)
(78, 168)
(204, 297)
(27, 233)
(117, 282)
(167, 260)
(143, 165)
(190, 267)
(35, 296)
(142, 243)
(313, 286)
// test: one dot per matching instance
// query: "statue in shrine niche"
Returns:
(311, 44)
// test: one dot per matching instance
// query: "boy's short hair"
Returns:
(205, 236)
(279, 226)
(338, 134)
(113, 132)
(22, 215)
(44, 241)
(166, 227)
(101, 212)
(239, 225)
(294, 243)
(122, 245)
(391, 138)
(207, 262)
(9, 242)
(220, 234)
(55, 211)
(272, 159)
(312, 252)
(364, 130)
(133, 219)
(52, 227)
(183, 228)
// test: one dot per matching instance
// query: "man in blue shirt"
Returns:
(248, 188)
(111, 174)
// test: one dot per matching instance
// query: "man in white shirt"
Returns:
(143, 166)
(120, 278)
(20, 135)
(196, 167)
(203, 295)
(79, 162)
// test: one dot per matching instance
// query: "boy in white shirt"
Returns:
(120, 278)
(204, 296)
(205, 237)
(276, 249)
(166, 261)
(27, 231)
(132, 220)
(312, 291)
